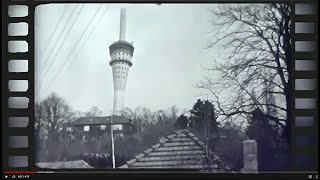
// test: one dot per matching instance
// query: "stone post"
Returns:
(250, 157)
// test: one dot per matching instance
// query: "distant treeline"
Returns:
(55, 143)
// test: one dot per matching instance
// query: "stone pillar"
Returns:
(250, 157)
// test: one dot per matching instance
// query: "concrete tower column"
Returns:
(121, 53)
(118, 103)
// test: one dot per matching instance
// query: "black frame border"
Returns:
(29, 112)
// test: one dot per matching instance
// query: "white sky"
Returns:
(168, 61)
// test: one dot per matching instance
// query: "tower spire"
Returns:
(122, 34)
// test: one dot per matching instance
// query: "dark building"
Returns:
(99, 126)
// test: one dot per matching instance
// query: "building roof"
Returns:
(64, 165)
(104, 120)
(121, 44)
(181, 150)
(97, 155)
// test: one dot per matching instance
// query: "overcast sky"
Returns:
(168, 60)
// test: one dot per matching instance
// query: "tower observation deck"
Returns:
(121, 53)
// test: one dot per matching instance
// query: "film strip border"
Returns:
(18, 81)
(304, 30)
(18, 78)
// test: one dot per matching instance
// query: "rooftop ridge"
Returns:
(171, 139)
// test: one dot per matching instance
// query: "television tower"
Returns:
(121, 53)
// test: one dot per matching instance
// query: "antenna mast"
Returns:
(122, 35)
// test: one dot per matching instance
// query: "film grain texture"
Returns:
(103, 86)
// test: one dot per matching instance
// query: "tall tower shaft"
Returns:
(121, 53)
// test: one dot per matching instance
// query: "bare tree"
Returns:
(174, 112)
(51, 116)
(160, 115)
(39, 132)
(56, 112)
(79, 114)
(128, 113)
(93, 112)
(256, 62)
(147, 115)
(38, 116)
(140, 117)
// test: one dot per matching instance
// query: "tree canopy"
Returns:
(250, 82)
(254, 70)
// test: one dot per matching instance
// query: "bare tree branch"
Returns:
(256, 56)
